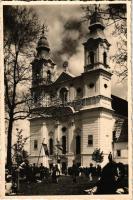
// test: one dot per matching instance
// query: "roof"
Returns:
(120, 106)
(64, 76)
(121, 130)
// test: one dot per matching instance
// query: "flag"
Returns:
(45, 149)
(59, 146)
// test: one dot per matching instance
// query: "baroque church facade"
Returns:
(74, 115)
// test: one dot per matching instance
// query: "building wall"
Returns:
(123, 148)
(105, 136)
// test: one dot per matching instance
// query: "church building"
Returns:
(74, 115)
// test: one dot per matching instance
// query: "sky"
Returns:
(66, 35)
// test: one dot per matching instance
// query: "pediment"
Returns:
(64, 76)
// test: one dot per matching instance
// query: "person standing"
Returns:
(110, 158)
(55, 174)
(74, 172)
(98, 171)
(41, 170)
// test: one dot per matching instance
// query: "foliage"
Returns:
(97, 156)
(20, 154)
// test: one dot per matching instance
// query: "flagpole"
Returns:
(40, 152)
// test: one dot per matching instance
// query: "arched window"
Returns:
(105, 58)
(64, 144)
(48, 76)
(91, 57)
(51, 146)
(78, 144)
(63, 94)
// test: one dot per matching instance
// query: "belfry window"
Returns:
(63, 94)
(78, 144)
(105, 58)
(48, 76)
(51, 146)
(64, 144)
(91, 58)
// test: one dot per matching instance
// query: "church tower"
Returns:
(97, 46)
(96, 60)
(43, 67)
(97, 115)
(43, 75)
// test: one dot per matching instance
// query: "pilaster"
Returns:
(45, 158)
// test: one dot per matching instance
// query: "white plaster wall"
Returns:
(89, 92)
(105, 137)
(35, 131)
(123, 146)
(105, 91)
(90, 126)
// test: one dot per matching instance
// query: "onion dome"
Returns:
(43, 42)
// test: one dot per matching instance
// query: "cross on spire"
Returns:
(44, 30)
(97, 8)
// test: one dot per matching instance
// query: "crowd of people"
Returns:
(108, 178)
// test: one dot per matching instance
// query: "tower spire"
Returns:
(96, 20)
(43, 42)
(44, 30)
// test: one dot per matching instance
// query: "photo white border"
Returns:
(2, 122)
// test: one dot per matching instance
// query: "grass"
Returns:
(65, 186)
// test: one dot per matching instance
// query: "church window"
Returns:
(119, 153)
(79, 90)
(63, 94)
(78, 144)
(64, 144)
(105, 58)
(35, 144)
(105, 85)
(91, 85)
(64, 129)
(92, 58)
(90, 140)
(51, 146)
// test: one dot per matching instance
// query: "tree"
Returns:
(114, 14)
(97, 156)
(21, 28)
(20, 154)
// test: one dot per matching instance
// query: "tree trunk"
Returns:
(11, 115)
(9, 142)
